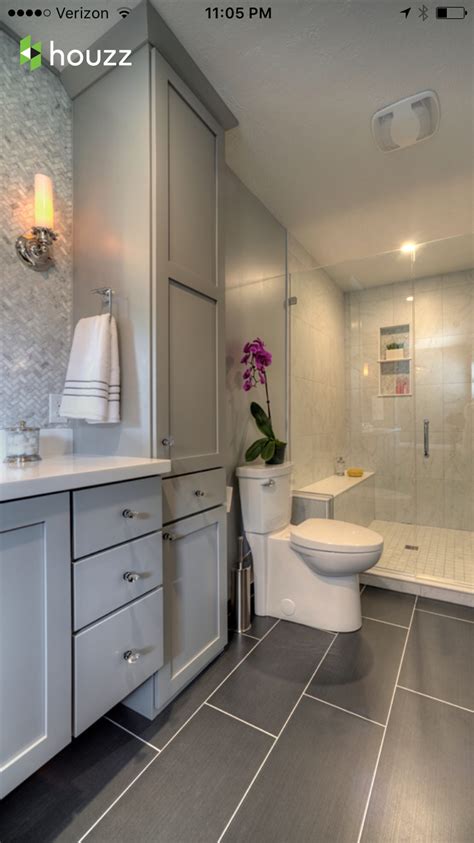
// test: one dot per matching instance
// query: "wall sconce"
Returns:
(35, 249)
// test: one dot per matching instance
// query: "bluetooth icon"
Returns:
(423, 10)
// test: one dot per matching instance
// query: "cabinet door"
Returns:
(188, 307)
(195, 599)
(35, 635)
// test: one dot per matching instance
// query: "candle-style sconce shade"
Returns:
(35, 249)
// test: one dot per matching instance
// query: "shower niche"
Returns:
(395, 359)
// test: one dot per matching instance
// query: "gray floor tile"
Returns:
(163, 727)
(266, 686)
(315, 783)
(385, 605)
(190, 791)
(423, 788)
(440, 607)
(360, 670)
(260, 625)
(439, 659)
(65, 797)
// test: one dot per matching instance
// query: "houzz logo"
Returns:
(107, 58)
(30, 52)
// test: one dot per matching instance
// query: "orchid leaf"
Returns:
(268, 450)
(254, 450)
(261, 420)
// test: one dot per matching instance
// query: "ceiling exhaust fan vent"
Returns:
(406, 122)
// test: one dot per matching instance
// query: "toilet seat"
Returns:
(334, 536)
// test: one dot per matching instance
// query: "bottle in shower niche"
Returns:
(340, 466)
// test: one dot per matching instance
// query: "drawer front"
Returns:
(103, 675)
(192, 493)
(108, 515)
(108, 580)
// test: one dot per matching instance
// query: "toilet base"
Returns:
(294, 592)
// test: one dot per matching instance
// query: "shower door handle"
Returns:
(426, 437)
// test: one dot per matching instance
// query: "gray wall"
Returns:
(255, 306)
(36, 308)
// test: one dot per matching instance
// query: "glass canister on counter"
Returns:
(22, 444)
(340, 466)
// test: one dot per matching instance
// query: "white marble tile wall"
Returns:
(317, 371)
(386, 434)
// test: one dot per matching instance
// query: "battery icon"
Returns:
(451, 12)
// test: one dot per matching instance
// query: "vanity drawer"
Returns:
(108, 515)
(103, 675)
(192, 493)
(111, 579)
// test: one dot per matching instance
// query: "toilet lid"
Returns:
(327, 534)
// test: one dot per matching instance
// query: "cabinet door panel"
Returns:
(35, 631)
(193, 373)
(192, 190)
(195, 589)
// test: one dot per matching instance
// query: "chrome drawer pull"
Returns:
(131, 576)
(131, 656)
(199, 493)
(131, 513)
(169, 537)
(168, 441)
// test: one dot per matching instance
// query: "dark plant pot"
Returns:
(279, 455)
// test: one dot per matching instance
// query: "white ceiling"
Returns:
(304, 87)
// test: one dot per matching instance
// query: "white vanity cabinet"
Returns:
(35, 634)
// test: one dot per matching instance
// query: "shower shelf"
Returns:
(395, 375)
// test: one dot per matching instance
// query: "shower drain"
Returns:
(411, 547)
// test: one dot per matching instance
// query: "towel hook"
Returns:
(107, 294)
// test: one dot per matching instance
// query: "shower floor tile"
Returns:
(442, 553)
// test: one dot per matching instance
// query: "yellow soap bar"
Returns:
(355, 472)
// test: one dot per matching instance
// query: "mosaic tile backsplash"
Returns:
(35, 308)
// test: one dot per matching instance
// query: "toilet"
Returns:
(306, 573)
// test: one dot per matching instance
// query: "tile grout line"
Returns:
(245, 722)
(389, 623)
(117, 798)
(439, 615)
(436, 699)
(346, 710)
(366, 809)
(159, 752)
(247, 635)
(124, 729)
(247, 791)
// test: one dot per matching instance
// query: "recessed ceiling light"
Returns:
(408, 248)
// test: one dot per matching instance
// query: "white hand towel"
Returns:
(92, 387)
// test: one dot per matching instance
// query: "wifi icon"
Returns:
(124, 12)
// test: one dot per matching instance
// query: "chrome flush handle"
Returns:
(270, 482)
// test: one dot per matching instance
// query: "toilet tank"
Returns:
(265, 496)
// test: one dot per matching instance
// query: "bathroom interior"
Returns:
(173, 651)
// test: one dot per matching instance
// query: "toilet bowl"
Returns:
(306, 573)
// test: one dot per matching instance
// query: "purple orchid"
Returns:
(256, 359)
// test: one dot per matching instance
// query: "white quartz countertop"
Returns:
(336, 485)
(58, 474)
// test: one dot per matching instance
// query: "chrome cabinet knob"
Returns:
(130, 513)
(168, 441)
(169, 537)
(131, 656)
(131, 576)
(199, 493)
